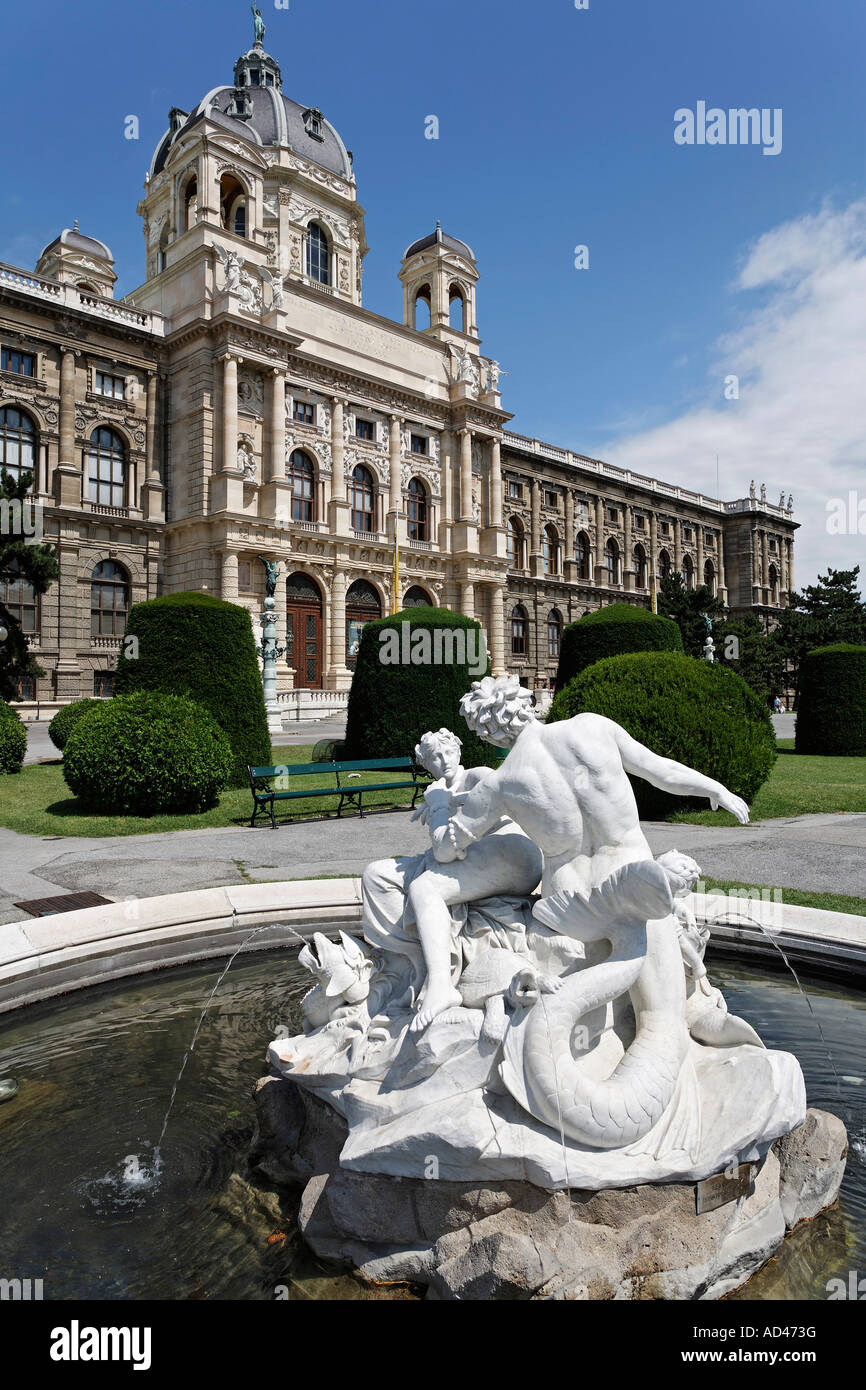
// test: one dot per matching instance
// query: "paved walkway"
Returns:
(825, 853)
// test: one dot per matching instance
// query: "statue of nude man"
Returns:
(566, 785)
(407, 901)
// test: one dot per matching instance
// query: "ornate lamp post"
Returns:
(268, 650)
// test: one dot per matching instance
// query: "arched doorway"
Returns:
(304, 631)
(362, 606)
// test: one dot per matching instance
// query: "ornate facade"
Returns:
(243, 402)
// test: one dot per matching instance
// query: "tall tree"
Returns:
(23, 559)
(687, 608)
(754, 654)
(832, 610)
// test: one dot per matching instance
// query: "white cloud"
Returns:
(800, 355)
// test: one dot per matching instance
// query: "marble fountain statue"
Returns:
(521, 1081)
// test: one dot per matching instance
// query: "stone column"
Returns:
(338, 507)
(276, 457)
(467, 599)
(229, 576)
(628, 574)
(466, 475)
(765, 568)
(699, 577)
(230, 412)
(654, 547)
(600, 574)
(395, 458)
(68, 484)
(338, 676)
(497, 630)
(569, 524)
(789, 546)
(495, 483)
(678, 544)
(720, 547)
(446, 486)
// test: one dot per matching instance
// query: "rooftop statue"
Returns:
(259, 23)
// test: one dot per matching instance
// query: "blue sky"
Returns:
(555, 129)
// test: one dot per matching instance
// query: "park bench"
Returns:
(350, 791)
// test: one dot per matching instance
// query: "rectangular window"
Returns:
(640, 523)
(687, 533)
(304, 413)
(103, 684)
(709, 539)
(551, 499)
(664, 528)
(24, 363)
(612, 514)
(419, 444)
(365, 429)
(113, 386)
(515, 491)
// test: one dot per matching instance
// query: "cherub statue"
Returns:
(407, 902)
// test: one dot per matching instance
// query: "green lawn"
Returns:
(827, 902)
(37, 801)
(799, 786)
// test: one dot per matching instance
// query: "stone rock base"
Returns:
(514, 1240)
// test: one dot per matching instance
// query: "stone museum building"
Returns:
(243, 402)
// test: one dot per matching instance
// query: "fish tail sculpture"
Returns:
(540, 1066)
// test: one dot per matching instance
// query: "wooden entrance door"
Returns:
(304, 631)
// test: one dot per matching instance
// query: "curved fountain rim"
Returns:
(48, 956)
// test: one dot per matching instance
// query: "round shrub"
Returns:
(65, 720)
(148, 752)
(198, 646)
(831, 710)
(683, 708)
(621, 627)
(393, 702)
(13, 739)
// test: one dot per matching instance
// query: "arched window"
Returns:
(774, 584)
(17, 441)
(318, 255)
(162, 248)
(190, 203)
(554, 634)
(109, 599)
(688, 572)
(18, 596)
(582, 555)
(710, 576)
(302, 477)
(417, 522)
(416, 597)
(664, 564)
(363, 605)
(422, 317)
(612, 562)
(361, 499)
(550, 550)
(106, 468)
(515, 543)
(457, 309)
(518, 630)
(233, 205)
(640, 567)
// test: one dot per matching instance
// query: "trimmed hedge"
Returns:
(145, 753)
(621, 627)
(680, 707)
(201, 647)
(831, 710)
(13, 739)
(65, 720)
(392, 705)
